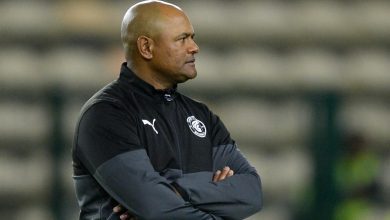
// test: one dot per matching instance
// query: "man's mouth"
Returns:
(191, 61)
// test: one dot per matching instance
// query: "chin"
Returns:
(192, 75)
(186, 77)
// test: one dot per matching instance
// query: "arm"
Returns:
(143, 191)
(236, 197)
(218, 176)
(110, 149)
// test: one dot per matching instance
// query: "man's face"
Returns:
(174, 50)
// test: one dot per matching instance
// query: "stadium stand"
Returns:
(260, 65)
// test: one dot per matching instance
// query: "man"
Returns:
(159, 154)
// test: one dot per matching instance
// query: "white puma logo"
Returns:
(146, 122)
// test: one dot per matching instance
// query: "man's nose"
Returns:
(194, 48)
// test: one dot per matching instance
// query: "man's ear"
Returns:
(145, 47)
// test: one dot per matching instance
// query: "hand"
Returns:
(221, 175)
(125, 215)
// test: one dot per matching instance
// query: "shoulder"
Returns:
(110, 96)
(108, 104)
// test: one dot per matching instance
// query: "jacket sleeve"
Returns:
(111, 151)
(236, 197)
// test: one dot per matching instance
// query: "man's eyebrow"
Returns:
(186, 35)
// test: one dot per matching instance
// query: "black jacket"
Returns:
(133, 143)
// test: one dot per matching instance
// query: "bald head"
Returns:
(144, 19)
(158, 39)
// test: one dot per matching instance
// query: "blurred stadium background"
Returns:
(303, 86)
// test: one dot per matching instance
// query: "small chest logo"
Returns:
(146, 122)
(197, 127)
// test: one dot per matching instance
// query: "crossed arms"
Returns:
(218, 176)
(129, 177)
(147, 195)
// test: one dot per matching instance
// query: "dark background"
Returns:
(303, 86)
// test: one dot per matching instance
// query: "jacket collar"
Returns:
(134, 83)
